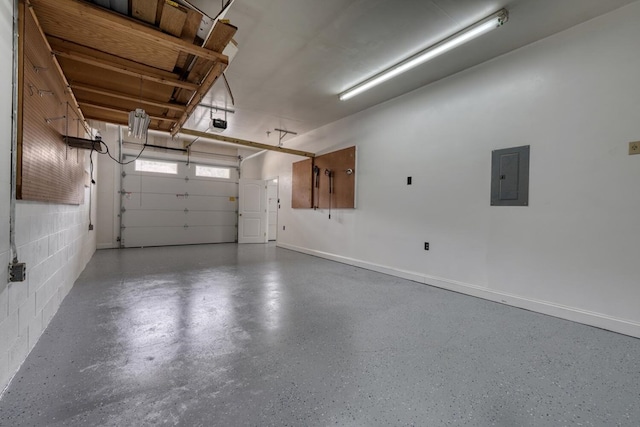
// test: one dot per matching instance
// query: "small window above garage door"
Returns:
(213, 172)
(156, 166)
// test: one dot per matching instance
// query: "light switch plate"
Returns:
(634, 147)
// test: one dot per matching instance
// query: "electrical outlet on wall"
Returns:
(426, 246)
(634, 147)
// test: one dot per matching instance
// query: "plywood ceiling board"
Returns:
(106, 31)
(144, 10)
(189, 32)
(60, 45)
(124, 27)
(160, 6)
(117, 43)
(222, 34)
(172, 19)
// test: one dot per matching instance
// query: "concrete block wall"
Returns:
(56, 244)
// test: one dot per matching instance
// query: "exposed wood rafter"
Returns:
(125, 70)
(111, 109)
(124, 96)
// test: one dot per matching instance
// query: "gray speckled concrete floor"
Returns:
(253, 335)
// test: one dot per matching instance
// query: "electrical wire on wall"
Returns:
(107, 152)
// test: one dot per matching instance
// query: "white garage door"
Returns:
(167, 203)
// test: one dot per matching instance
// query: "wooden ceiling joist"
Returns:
(125, 70)
(246, 143)
(111, 109)
(126, 97)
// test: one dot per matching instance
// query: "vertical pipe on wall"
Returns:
(14, 135)
(120, 187)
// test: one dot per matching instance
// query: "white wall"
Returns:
(573, 252)
(53, 240)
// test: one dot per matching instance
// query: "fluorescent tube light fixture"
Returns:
(138, 123)
(481, 27)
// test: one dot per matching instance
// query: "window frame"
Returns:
(166, 162)
(228, 169)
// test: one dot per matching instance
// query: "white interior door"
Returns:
(272, 203)
(253, 214)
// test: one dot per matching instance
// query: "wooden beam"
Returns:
(119, 110)
(125, 70)
(123, 122)
(246, 143)
(119, 24)
(211, 78)
(127, 97)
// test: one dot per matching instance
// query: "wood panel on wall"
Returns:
(49, 170)
(302, 185)
(306, 194)
(343, 191)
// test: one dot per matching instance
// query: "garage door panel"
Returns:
(199, 203)
(164, 209)
(154, 218)
(164, 236)
(229, 189)
(133, 201)
(212, 218)
(154, 184)
(150, 201)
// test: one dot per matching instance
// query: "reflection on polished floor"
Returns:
(255, 335)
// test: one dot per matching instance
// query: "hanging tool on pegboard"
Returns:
(329, 173)
(316, 193)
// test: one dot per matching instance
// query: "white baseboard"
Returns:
(586, 317)
(105, 246)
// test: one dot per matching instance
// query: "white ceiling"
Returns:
(296, 56)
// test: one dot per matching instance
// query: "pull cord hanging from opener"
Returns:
(329, 173)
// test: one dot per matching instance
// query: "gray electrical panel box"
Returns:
(510, 177)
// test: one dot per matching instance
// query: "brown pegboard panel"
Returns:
(343, 194)
(49, 170)
(301, 192)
